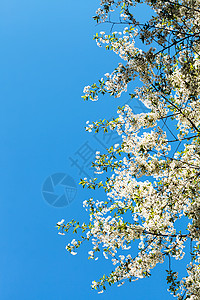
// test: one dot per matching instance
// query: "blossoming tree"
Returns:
(155, 178)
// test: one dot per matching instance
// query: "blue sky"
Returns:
(47, 56)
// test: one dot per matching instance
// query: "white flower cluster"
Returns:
(156, 178)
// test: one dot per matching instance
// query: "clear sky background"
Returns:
(47, 56)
